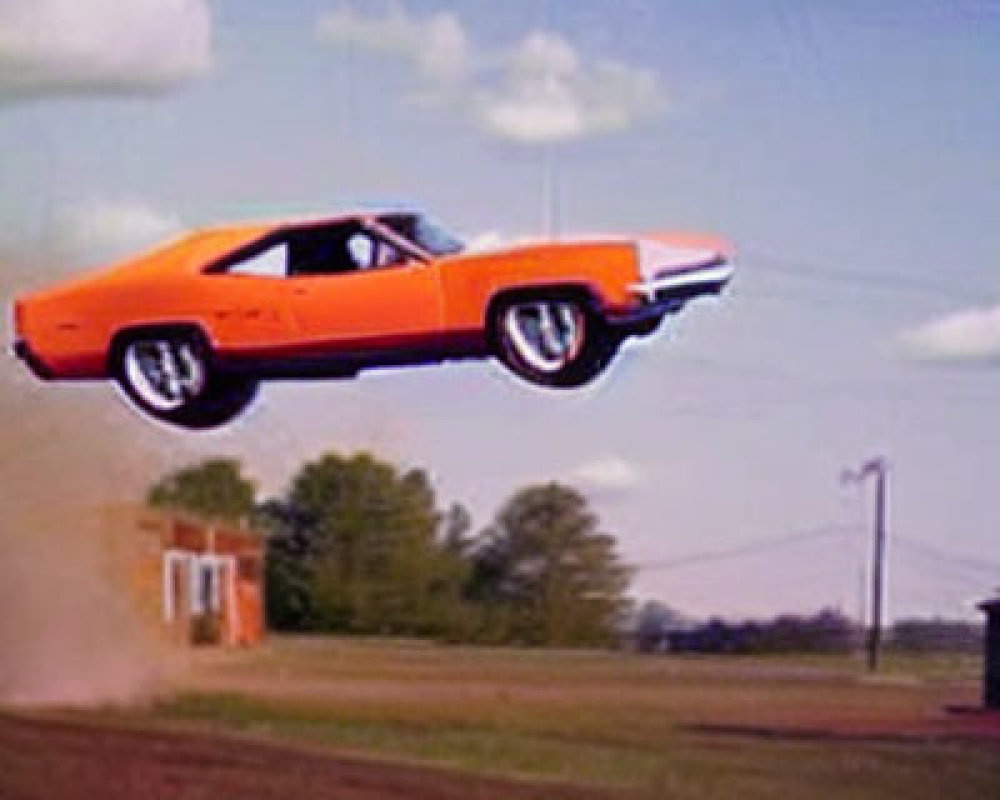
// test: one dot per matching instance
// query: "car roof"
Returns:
(320, 218)
(192, 251)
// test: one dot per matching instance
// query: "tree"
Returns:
(546, 575)
(937, 636)
(653, 624)
(455, 527)
(827, 631)
(354, 547)
(214, 490)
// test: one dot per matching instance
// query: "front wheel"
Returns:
(168, 375)
(551, 340)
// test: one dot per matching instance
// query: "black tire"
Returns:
(580, 345)
(168, 374)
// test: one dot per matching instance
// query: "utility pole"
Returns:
(550, 192)
(550, 171)
(877, 467)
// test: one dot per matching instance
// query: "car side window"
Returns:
(325, 250)
(371, 252)
(315, 251)
(389, 256)
(269, 263)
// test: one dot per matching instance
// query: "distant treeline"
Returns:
(660, 629)
(356, 545)
(937, 636)
(825, 632)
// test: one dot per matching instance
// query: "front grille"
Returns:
(683, 294)
(671, 272)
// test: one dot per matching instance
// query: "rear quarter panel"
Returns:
(71, 325)
(71, 331)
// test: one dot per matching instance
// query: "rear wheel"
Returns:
(552, 340)
(168, 374)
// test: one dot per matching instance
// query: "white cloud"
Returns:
(610, 474)
(59, 46)
(540, 91)
(548, 94)
(972, 335)
(104, 230)
(437, 45)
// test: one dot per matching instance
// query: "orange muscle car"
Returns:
(189, 330)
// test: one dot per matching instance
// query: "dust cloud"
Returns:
(67, 637)
(68, 634)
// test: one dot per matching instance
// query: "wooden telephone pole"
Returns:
(877, 467)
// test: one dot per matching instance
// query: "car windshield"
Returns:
(424, 233)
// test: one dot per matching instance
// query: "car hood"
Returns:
(656, 252)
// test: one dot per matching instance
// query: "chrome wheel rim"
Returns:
(164, 373)
(547, 335)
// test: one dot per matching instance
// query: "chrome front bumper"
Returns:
(669, 292)
(683, 284)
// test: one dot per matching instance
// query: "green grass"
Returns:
(607, 719)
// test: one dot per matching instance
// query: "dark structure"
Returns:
(991, 680)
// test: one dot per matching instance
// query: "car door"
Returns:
(380, 300)
(247, 306)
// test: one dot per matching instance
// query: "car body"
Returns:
(217, 310)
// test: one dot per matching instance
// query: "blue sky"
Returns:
(851, 151)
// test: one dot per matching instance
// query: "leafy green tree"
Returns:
(456, 525)
(546, 575)
(214, 489)
(354, 547)
(460, 619)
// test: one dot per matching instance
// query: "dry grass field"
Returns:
(351, 719)
(637, 726)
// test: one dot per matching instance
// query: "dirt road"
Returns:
(69, 760)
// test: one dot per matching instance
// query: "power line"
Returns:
(954, 579)
(751, 548)
(953, 559)
(911, 587)
(763, 261)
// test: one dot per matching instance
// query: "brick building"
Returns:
(200, 582)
